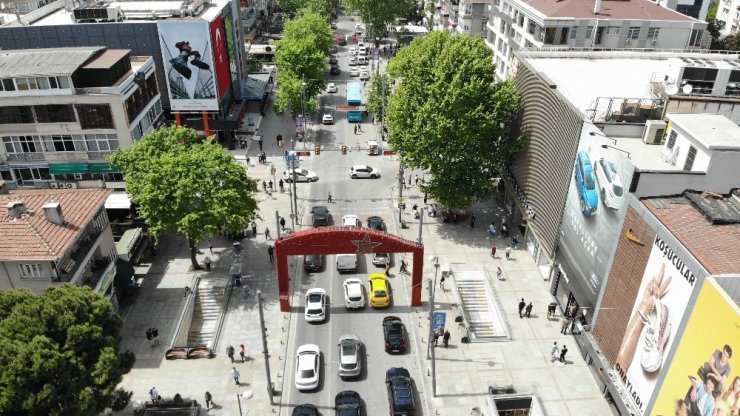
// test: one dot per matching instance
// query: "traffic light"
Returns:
(317, 150)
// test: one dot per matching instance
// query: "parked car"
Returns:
(394, 334)
(307, 370)
(315, 305)
(612, 190)
(352, 51)
(313, 262)
(381, 259)
(354, 72)
(379, 297)
(327, 119)
(348, 403)
(305, 410)
(301, 175)
(331, 87)
(351, 221)
(333, 49)
(333, 59)
(320, 216)
(350, 356)
(364, 75)
(586, 184)
(354, 294)
(352, 61)
(363, 171)
(335, 70)
(376, 223)
(400, 387)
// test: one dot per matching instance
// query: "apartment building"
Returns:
(471, 17)
(728, 12)
(589, 24)
(57, 236)
(64, 110)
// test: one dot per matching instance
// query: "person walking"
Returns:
(260, 143)
(247, 160)
(564, 324)
(388, 269)
(493, 251)
(269, 185)
(499, 274)
(242, 351)
(508, 252)
(439, 333)
(230, 353)
(149, 336)
(528, 309)
(153, 395)
(281, 185)
(554, 352)
(562, 354)
(328, 199)
(209, 400)
(416, 180)
(271, 253)
(254, 229)
(282, 222)
(522, 305)
(446, 338)
(235, 374)
(472, 220)
(551, 309)
(207, 262)
(210, 245)
(355, 128)
(425, 198)
(155, 336)
(442, 283)
(264, 186)
(267, 233)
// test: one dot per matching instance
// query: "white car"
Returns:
(364, 75)
(354, 72)
(363, 68)
(301, 175)
(350, 357)
(315, 305)
(332, 87)
(351, 221)
(352, 61)
(352, 51)
(361, 60)
(327, 119)
(381, 259)
(612, 190)
(362, 50)
(363, 171)
(307, 370)
(354, 294)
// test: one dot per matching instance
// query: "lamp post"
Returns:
(430, 351)
(265, 351)
(246, 396)
(400, 192)
(303, 107)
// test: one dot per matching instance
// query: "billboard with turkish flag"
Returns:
(220, 58)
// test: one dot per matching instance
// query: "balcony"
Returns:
(97, 274)
(70, 265)
(26, 157)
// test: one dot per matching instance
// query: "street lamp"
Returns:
(246, 396)
(606, 146)
(430, 350)
(303, 109)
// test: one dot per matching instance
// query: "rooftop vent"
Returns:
(16, 209)
(53, 212)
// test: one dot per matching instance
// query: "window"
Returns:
(22, 144)
(67, 143)
(54, 113)
(573, 33)
(532, 28)
(7, 84)
(696, 37)
(31, 174)
(671, 140)
(31, 271)
(653, 33)
(589, 32)
(564, 35)
(94, 116)
(633, 33)
(16, 115)
(690, 157)
(101, 142)
(612, 30)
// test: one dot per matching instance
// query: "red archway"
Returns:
(342, 240)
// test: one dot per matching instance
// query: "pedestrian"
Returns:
(403, 268)
(492, 229)
(260, 142)
(359, 127)
(242, 351)
(499, 274)
(149, 336)
(472, 220)
(271, 253)
(416, 180)
(446, 338)
(187, 291)
(207, 261)
(264, 186)
(267, 233)
(554, 352)
(442, 282)
(572, 325)
(564, 324)
(528, 309)
(355, 128)
(210, 245)
(328, 199)
(153, 395)
(235, 374)
(155, 335)
(514, 242)
(504, 230)
(551, 309)
(436, 336)
(439, 334)
(247, 160)
(493, 251)
(562, 354)
(425, 198)
(209, 400)
(281, 185)
(508, 252)
(269, 185)
(522, 304)
(254, 229)
(230, 353)
(409, 179)
(388, 269)
(282, 222)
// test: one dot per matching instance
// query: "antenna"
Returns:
(687, 89)
(671, 89)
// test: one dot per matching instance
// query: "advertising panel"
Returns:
(232, 39)
(221, 60)
(188, 63)
(594, 212)
(704, 375)
(663, 296)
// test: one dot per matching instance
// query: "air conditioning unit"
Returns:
(654, 41)
(654, 132)
(53, 185)
(627, 41)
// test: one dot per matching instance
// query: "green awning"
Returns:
(67, 168)
(103, 168)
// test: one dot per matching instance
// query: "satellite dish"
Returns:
(687, 89)
(671, 89)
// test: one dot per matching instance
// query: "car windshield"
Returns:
(618, 191)
(305, 373)
(348, 348)
(314, 312)
(355, 298)
(313, 259)
(303, 172)
(379, 293)
(588, 178)
(314, 297)
(394, 329)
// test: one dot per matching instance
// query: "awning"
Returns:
(104, 167)
(67, 168)
(118, 200)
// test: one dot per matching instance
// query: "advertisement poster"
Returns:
(704, 376)
(231, 44)
(594, 212)
(188, 63)
(221, 60)
(662, 299)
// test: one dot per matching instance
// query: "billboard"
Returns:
(188, 64)
(665, 290)
(706, 367)
(232, 40)
(594, 212)
(220, 58)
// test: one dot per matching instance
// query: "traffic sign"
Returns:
(290, 158)
(303, 153)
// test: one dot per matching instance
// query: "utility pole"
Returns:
(432, 285)
(277, 223)
(295, 196)
(421, 223)
(263, 330)
(400, 192)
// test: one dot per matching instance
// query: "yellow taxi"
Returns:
(379, 296)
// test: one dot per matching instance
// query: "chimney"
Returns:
(597, 6)
(53, 213)
(16, 209)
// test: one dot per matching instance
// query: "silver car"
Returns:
(350, 356)
(363, 171)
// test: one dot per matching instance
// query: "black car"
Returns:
(376, 223)
(394, 333)
(305, 410)
(348, 403)
(333, 60)
(335, 70)
(333, 49)
(320, 216)
(313, 262)
(400, 392)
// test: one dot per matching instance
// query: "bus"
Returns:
(354, 98)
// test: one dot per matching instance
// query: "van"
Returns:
(346, 262)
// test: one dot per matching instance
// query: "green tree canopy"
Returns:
(58, 352)
(186, 186)
(380, 89)
(301, 57)
(449, 116)
(376, 14)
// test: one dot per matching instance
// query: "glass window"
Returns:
(612, 30)
(101, 142)
(53, 82)
(43, 83)
(31, 271)
(573, 32)
(31, 174)
(589, 32)
(67, 143)
(64, 82)
(95, 116)
(55, 113)
(22, 144)
(16, 115)
(634, 32)
(653, 33)
(8, 84)
(22, 84)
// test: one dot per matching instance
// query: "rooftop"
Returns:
(44, 62)
(610, 9)
(713, 131)
(32, 236)
(707, 224)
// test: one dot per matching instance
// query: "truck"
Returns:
(346, 262)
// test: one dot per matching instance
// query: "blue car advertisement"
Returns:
(594, 212)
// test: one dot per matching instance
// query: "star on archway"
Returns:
(365, 245)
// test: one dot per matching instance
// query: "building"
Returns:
(196, 45)
(63, 111)
(471, 17)
(591, 24)
(697, 9)
(728, 14)
(53, 237)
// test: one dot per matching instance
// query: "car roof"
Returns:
(377, 276)
(305, 361)
(397, 372)
(319, 209)
(361, 167)
(315, 290)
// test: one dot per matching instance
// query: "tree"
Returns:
(449, 116)
(58, 352)
(301, 57)
(186, 186)
(380, 88)
(377, 14)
